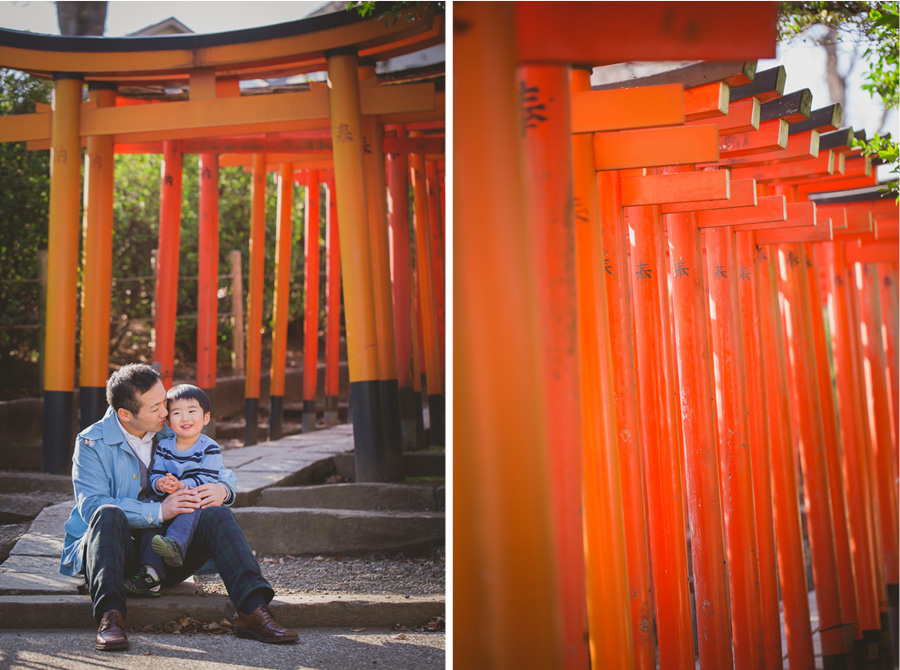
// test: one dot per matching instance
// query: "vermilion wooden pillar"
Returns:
(548, 185)
(99, 167)
(356, 266)
(401, 283)
(280, 307)
(436, 221)
(833, 257)
(664, 484)
(788, 533)
(167, 260)
(734, 448)
(62, 275)
(874, 505)
(332, 307)
(879, 421)
(807, 417)
(505, 598)
(256, 262)
(311, 291)
(833, 448)
(424, 281)
(628, 433)
(748, 292)
(890, 318)
(698, 420)
(609, 610)
(376, 197)
(417, 355)
(208, 281)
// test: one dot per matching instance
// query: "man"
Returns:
(114, 503)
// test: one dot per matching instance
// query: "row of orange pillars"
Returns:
(669, 324)
(409, 285)
(401, 223)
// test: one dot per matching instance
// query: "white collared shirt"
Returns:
(142, 446)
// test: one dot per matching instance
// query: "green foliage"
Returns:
(872, 25)
(392, 10)
(24, 207)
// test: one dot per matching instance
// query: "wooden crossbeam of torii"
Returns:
(284, 144)
(565, 32)
(221, 116)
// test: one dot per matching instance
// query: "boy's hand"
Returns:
(169, 484)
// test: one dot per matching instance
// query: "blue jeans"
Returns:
(110, 552)
(181, 529)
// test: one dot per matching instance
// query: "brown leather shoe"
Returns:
(111, 634)
(262, 626)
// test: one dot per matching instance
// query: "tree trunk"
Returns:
(837, 86)
(81, 18)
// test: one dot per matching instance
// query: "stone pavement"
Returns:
(320, 648)
(34, 594)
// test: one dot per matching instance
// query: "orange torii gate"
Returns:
(212, 67)
(536, 358)
(314, 153)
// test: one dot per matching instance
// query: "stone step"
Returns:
(415, 464)
(326, 531)
(294, 611)
(359, 496)
(26, 482)
(15, 507)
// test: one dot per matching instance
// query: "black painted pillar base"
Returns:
(59, 437)
(407, 402)
(251, 420)
(859, 654)
(276, 407)
(885, 645)
(836, 661)
(368, 431)
(309, 416)
(331, 410)
(893, 614)
(91, 405)
(210, 429)
(419, 419)
(871, 651)
(436, 412)
(390, 405)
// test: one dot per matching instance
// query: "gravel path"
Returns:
(373, 574)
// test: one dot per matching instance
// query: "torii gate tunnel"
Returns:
(689, 288)
(338, 133)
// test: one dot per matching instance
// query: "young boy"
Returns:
(187, 459)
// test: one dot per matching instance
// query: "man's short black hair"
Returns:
(127, 384)
(188, 392)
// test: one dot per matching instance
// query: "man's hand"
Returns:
(183, 501)
(211, 495)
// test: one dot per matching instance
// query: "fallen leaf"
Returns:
(402, 636)
(184, 621)
(147, 653)
(357, 630)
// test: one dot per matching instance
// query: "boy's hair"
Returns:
(128, 383)
(188, 392)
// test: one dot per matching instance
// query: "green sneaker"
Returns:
(142, 584)
(168, 549)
